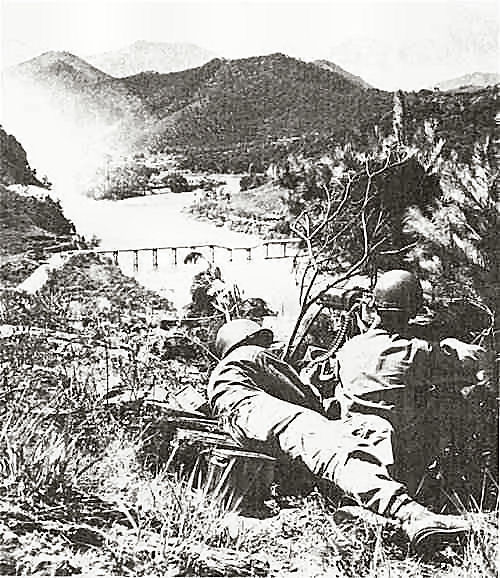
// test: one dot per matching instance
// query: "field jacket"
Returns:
(251, 369)
(380, 370)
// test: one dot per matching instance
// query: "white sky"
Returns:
(405, 44)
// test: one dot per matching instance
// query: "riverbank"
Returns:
(164, 220)
(260, 211)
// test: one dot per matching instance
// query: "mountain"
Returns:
(254, 109)
(74, 82)
(332, 67)
(63, 87)
(474, 80)
(145, 56)
(63, 67)
(258, 99)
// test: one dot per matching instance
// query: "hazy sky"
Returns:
(405, 44)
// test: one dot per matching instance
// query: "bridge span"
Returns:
(266, 270)
(214, 253)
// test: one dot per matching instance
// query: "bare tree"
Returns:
(342, 228)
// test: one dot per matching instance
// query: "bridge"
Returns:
(175, 255)
(264, 270)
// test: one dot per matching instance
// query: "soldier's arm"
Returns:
(455, 364)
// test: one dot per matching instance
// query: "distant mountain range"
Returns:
(223, 102)
(474, 80)
(251, 104)
(142, 56)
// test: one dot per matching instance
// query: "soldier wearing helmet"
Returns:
(389, 372)
(246, 342)
(262, 402)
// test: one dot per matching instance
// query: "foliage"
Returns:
(210, 184)
(121, 181)
(31, 228)
(20, 212)
(82, 464)
(462, 119)
(456, 240)
(259, 210)
(347, 210)
(177, 183)
(251, 181)
(213, 303)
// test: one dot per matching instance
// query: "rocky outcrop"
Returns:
(14, 167)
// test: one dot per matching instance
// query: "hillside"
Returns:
(463, 118)
(32, 225)
(14, 167)
(257, 99)
(142, 56)
(227, 114)
(31, 229)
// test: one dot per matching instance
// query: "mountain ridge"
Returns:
(328, 65)
(244, 99)
(473, 79)
(143, 56)
(58, 62)
(260, 102)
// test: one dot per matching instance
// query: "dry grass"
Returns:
(82, 492)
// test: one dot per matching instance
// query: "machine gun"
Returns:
(354, 313)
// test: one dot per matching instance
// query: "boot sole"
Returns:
(427, 541)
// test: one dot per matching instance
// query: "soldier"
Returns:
(411, 382)
(262, 401)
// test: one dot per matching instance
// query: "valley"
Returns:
(112, 339)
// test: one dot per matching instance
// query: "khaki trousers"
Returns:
(353, 453)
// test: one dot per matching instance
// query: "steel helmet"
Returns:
(398, 290)
(236, 332)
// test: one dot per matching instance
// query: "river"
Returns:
(162, 220)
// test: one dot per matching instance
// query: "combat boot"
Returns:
(428, 532)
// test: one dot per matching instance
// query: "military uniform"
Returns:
(414, 384)
(262, 400)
